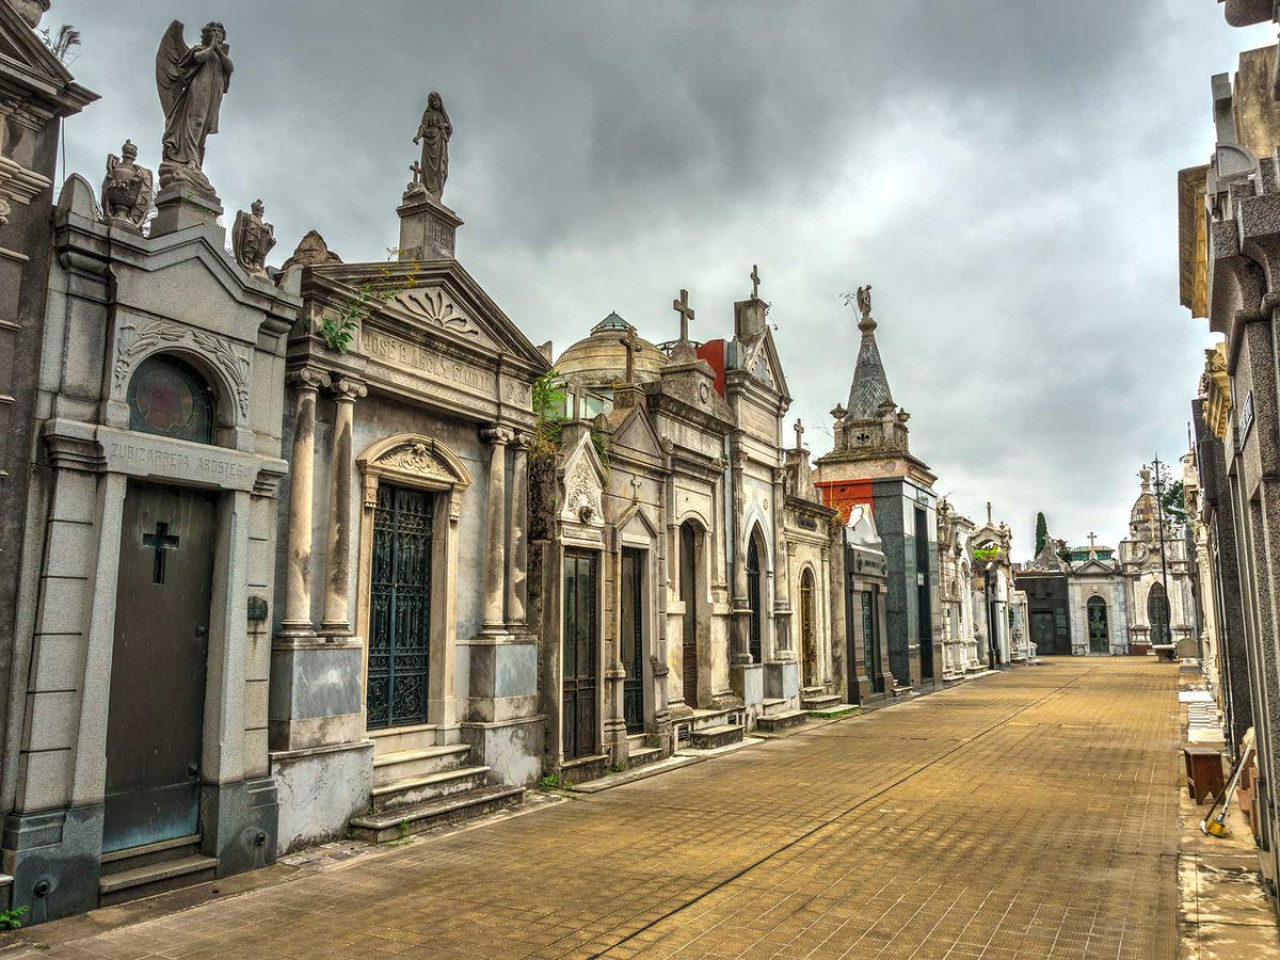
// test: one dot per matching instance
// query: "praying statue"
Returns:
(192, 82)
(433, 133)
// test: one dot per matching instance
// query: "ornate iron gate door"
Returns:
(579, 659)
(808, 634)
(1099, 636)
(632, 621)
(155, 714)
(400, 602)
(753, 601)
(689, 596)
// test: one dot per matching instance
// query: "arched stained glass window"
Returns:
(169, 398)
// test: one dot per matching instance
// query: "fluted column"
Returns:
(337, 616)
(297, 597)
(518, 543)
(496, 541)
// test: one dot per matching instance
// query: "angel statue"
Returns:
(433, 133)
(864, 300)
(252, 239)
(126, 189)
(192, 82)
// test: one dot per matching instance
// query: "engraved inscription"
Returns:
(396, 352)
(170, 462)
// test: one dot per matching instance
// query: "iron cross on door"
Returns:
(160, 541)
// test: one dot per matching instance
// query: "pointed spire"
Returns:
(870, 388)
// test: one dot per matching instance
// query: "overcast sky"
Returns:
(1003, 174)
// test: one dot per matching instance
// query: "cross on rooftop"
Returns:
(682, 307)
(631, 342)
(1093, 537)
(755, 282)
(161, 541)
(799, 434)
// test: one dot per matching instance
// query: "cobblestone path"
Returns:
(1031, 814)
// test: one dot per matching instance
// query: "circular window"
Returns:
(169, 398)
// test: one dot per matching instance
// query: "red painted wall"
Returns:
(842, 495)
(713, 352)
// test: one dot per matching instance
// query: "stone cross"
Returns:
(635, 489)
(630, 341)
(755, 282)
(988, 513)
(799, 434)
(682, 307)
(1093, 537)
(416, 169)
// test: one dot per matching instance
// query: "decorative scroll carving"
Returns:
(138, 339)
(416, 458)
(583, 485)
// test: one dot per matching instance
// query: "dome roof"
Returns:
(601, 359)
(1144, 518)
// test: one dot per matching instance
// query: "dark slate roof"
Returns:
(870, 388)
(611, 322)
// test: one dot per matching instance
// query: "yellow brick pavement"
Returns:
(1027, 815)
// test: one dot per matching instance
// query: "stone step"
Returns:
(400, 793)
(394, 739)
(834, 710)
(415, 818)
(405, 764)
(712, 737)
(153, 878)
(179, 848)
(639, 756)
(819, 702)
(773, 706)
(781, 721)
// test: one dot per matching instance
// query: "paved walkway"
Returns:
(1031, 814)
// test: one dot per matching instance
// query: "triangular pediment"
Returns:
(764, 364)
(637, 436)
(442, 298)
(582, 480)
(1094, 566)
(25, 59)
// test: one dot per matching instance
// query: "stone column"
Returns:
(496, 542)
(740, 648)
(518, 543)
(337, 618)
(306, 385)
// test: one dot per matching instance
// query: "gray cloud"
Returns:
(1002, 173)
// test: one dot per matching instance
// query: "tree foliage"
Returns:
(1042, 533)
(1174, 508)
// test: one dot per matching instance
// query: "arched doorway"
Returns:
(1158, 614)
(808, 631)
(755, 624)
(1099, 635)
(689, 537)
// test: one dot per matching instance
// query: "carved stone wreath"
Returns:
(137, 340)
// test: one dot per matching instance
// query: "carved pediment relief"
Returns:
(582, 484)
(415, 460)
(137, 340)
(437, 308)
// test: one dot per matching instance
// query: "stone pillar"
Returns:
(337, 615)
(306, 385)
(496, 541)
(518, 543)
(739, 649)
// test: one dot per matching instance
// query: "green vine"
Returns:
(338, 329)
(12, 919)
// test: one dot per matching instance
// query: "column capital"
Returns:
(347, 390)
(521, 441)
(307, 378)
(498, 436)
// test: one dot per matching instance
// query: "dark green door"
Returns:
(579, 655)
(632, 621)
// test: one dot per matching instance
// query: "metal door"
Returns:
(1043, 633)
(808, 635)
(753, 601)
(155, 712)
(632, 623)
(579, 656)
(689, 596)
(1099, 635)
(400, 604)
